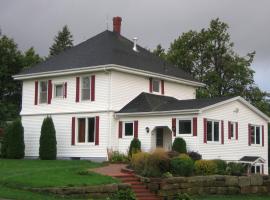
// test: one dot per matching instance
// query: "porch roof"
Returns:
(251, 159)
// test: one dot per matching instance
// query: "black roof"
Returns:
(249, 158)
(146, 102)
(108, 48)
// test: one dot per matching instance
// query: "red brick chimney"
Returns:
(117, 24)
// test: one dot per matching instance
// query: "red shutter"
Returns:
(174, 126)
(73, 131)
(195, 126)
(97, 131)
(162, 86)
(236, 131)
(150, 85)
(136, 129)
(229, 130)
(120, 129)
(93, 78)
(205, 130)
(49, 91)
(249, 135)
(36, 92)
(262, 135)
(222, 132)
(65, 90)
(77, 89)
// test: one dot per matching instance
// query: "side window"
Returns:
(43, 95)
(256, 134)
(85, 88)
(156, 85)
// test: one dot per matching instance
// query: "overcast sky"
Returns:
(35, 23)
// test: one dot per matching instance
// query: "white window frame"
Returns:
(177, 126)
(255, 135)
(255, 166)
(234, 130)
(89, 77)
(86, 131)
(124, 129)
(39, 93)
(213, 132)
(159, 86)
(63, 90)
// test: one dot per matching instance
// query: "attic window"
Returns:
(156, 85)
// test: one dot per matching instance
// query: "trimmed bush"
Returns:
(15, 140)
(135, 146)
(205, 167)
(221, 166)
(179, 145)
(47, 148)
(139, 161)
(118, 157)
(194, 155)
(182, 165)
(235, 169)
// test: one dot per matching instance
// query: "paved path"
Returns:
(110, 170)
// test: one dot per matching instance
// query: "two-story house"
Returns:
(107, 90)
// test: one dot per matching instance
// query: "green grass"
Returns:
(233, 197)
(41, 173)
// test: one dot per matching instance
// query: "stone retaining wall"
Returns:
(85, 191)
(205, 185)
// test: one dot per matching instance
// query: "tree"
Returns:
(31, 58)
(47, 142)
(159, 51)
(179, 145)
(62, 41)
(4, 146)
(15, 138)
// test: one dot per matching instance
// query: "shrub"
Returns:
(4, 146)
(139, 161)
(205, 167)
(124, 194)
(181, 196)
(135, 146)
(235, 169)
(182, 165)
(194, 155)
(117, 157)
(179, 145)
(167, 175)
(47, 148)
(172, 154)
(15, 140)
(221, 166)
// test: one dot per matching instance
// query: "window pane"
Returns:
(184, 126)
(81, 130)
(43, 95)
(258, 135)
(59, 90)
(253, 169)
(209, 131)
(86, 88)
(252, 135)
(86, 83)
(156, 85)
(232, 130)
(85, 94)
(216, 131)
(258, 169)
(128, 129)
(91, 129)
(43, 86)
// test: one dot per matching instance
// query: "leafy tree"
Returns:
(62, 41)
(31, 58)
(47, 142)
(15, 139)
(160, 51)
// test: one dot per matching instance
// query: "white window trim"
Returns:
(255, 165)
(81, 88)
(159, 86)
(39, 89)
(177, 126)
(86, 132)
(260, 144)
(234, 130)
(54, 90)
(124, 131)
(219, 132)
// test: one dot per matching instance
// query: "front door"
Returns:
(159, 137)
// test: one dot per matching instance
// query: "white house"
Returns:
(108, 90)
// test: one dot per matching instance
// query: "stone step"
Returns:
(129, 179)
(138, 186)
(134, 182)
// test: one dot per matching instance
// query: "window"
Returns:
(256, 169)
(212, 131)
(184, 127)
(156, 85)
(255, 134)
(233, 130)
(85, 88)
(128, 129)
(58, 90)
(43, 95)
(86, 130)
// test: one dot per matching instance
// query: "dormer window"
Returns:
(156, 85)
(43, 95)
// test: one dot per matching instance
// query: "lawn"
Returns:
(41, 173)
(233, 197)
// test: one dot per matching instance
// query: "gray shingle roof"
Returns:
(249, 158)
(146, 102)
(108, 48)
